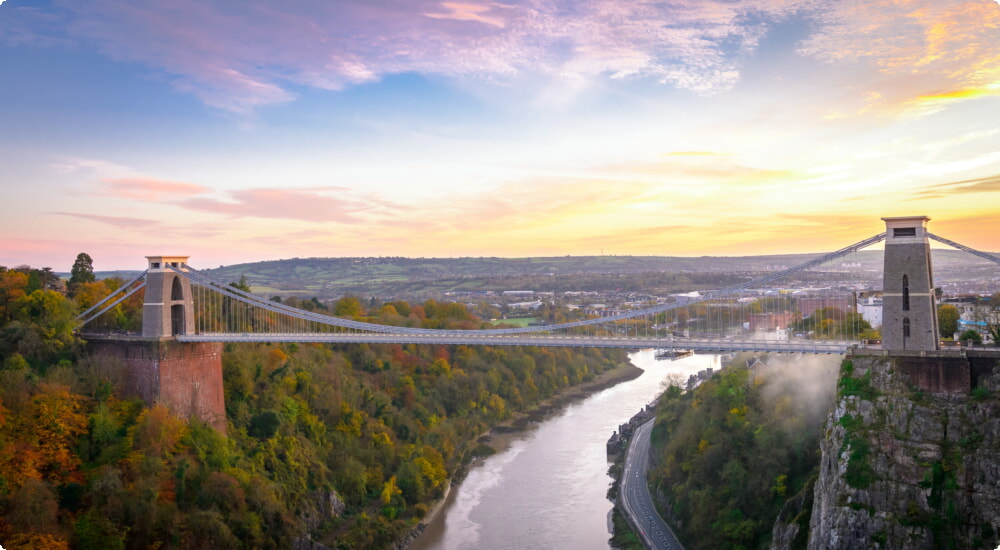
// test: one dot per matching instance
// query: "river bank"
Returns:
(499, 438)
(548, 486)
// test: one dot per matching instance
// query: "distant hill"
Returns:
(398, 276)
(401, 276)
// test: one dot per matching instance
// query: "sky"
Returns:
(239, 131)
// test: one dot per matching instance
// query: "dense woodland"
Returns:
(736, 448)
(347, 444)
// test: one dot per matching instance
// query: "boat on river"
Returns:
(671, 354)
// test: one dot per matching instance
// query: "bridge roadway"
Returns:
(470, 338)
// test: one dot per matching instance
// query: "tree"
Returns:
(948, 316)
(81, 272)
(243, 284)
(348, 306)
(13, 285)
(41, 329)
(49, 280)
(989, 313)
(971, 334)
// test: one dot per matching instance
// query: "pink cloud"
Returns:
(467, 12)
(117, 221)
(149, 189)
(295, 204)
(240, 59)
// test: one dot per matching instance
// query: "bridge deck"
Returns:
(721, 345)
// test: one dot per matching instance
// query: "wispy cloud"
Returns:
(343, 206)
(936, 45)
(116, 221)
(241, 59)
(150, 190)
(468, 12)
(935, 101)
(989, 184)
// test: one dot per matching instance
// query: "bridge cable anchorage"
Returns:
(113, 304)
(110, 296)
(984, 255)
(245, 297)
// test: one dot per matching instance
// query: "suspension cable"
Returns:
(251, 299)
(110, 296)
(112, 304)
(962, 247)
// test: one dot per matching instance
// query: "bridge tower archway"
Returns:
(168, 309)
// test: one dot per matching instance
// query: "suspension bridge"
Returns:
(760, 314)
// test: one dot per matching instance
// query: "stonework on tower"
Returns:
(168, 309)
(909, 309)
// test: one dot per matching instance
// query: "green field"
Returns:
(517, 321)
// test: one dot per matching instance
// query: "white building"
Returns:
(870, 308)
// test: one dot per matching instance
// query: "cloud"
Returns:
(706, 167)
(989, 184)
(261, 53)
(90, 167)
(294, 204)
(150, 190)
(241, 59)
(314, 205)
(467, 12)
(116, 221)
(537, 201)
(935, 101)
(932, 45)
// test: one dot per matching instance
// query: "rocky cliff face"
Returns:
(903, 468)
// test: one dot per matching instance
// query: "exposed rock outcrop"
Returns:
(904, 468)
(320, 507)
(791, 529)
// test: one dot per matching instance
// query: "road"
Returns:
(474, 337)
(635, 498)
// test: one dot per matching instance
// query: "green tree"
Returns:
(42, 327)
(243, 284)
(81, 272)
(348, 306)
(948, 316)
(971, 334)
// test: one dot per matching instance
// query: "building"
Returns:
(771, 321)
(870, 308)
(810, 305)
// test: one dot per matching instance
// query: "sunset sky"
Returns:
(249, 130)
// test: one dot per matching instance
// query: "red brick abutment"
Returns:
(186, 377)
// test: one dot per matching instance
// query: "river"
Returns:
(548, 489)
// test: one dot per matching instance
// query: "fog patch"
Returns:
(802, 385)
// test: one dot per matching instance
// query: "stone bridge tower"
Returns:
(168, 309)
(909, 308)
(186, 377)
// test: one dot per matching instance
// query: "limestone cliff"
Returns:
(907, 468)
